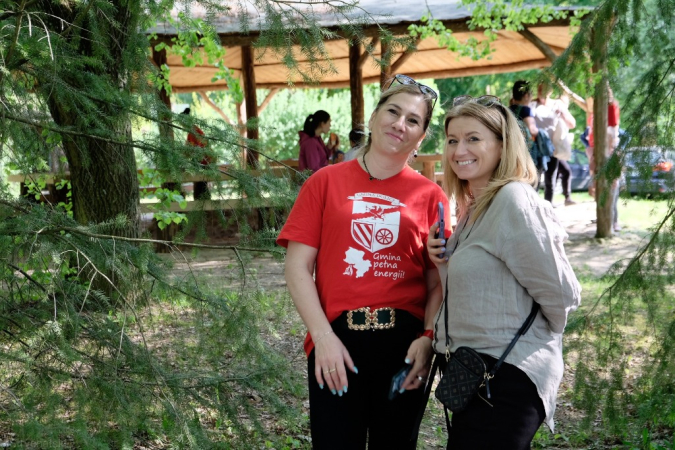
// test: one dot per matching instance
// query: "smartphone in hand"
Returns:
(441, 224)
(397, 381)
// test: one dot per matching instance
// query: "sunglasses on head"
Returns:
(424, 89)
(485, 100)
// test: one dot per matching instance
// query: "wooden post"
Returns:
(356, 84)
(165, 131)
(250, 99)
(385, 56)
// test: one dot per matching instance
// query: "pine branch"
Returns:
(28, 277)
(635, 260)
(152, 241)
(15, 39)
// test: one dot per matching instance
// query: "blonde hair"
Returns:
(515, 163)
(393, 89)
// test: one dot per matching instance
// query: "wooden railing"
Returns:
(425, 164)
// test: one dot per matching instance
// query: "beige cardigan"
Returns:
(510, 255)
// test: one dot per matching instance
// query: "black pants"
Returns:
(556, 166)
(365, 414)
(510, 423)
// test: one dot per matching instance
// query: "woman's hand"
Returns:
(331, 361)
(436, 247)
(419, 355)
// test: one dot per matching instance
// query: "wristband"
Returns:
(322, 336)
(427, 333)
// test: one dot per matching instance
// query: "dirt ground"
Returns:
(586, 253)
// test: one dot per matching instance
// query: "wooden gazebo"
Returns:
(531, 48)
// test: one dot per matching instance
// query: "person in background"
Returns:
(547, 113)
(506, 254)
(333, 143)
(355, 141)
(196, 138)
(314, 154)
(361, 279)
(522, 96)
(338, 157)
(520, 101)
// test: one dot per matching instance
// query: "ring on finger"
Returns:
(329, 370)
(422, 379)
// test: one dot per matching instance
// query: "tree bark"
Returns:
(604, 193)
(103, 174)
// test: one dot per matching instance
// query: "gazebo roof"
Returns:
(512, 51)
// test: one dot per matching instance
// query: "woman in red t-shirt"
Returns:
(359, 274)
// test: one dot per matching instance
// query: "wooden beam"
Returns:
(404, 57)
(268, 98)
(365, 55)
(356, 84)
(248, 76)
(450, 73)
(541, 45)
(205, 96)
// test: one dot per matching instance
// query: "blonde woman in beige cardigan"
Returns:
(506, 253)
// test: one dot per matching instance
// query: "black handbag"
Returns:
(463, 376)
(465, 372)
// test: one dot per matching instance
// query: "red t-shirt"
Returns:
(612, 121)
(612, 114)
(370, 235)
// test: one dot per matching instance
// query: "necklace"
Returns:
(363, 158)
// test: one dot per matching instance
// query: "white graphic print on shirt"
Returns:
(375, 226)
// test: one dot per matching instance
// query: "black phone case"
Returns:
(397, 381)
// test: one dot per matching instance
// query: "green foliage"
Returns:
(86, 366)
(489, 17)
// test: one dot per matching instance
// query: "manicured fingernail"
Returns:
(345, 389)
(442, 249)
(401, 391)
(443, 242)
(333, 391)
(320, 386)
(340, 393)
(407, 360)
(356, 370)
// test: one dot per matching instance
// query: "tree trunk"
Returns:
(89, 98)
(103, 176)
(604, 194)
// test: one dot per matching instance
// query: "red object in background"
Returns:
(196, 140)
(663, 166)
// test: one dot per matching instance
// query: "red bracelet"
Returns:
(428, 333)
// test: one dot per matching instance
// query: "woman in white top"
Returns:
(506, 253)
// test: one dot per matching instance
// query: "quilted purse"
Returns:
(463, 375)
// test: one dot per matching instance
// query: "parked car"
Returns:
(649, 170)
(581, 172)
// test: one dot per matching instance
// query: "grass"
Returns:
(239, 332)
